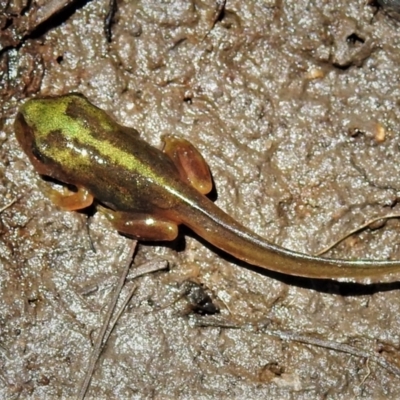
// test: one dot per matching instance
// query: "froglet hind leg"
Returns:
(69, 200)
(190, 163)
(141, 226)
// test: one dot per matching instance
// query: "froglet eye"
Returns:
(36, 153)
(25, 134)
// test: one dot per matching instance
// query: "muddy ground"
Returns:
(294, 105)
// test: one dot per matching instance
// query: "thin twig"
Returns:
(8, 205)
(360, 228)
(99, 342)
(368, 373)
(340, 347)
(295, 337)
(117, 317)
(147, 268)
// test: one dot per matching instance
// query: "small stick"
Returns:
(360, 228)
(296, 337)
(340, 347)
(8, 205)
(99, 342)
(147, 268)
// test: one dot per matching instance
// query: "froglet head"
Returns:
(55, 133)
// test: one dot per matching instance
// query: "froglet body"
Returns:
(146, 192)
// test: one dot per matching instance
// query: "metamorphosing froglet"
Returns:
(146, 192)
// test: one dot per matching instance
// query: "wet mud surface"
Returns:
(295, 107)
